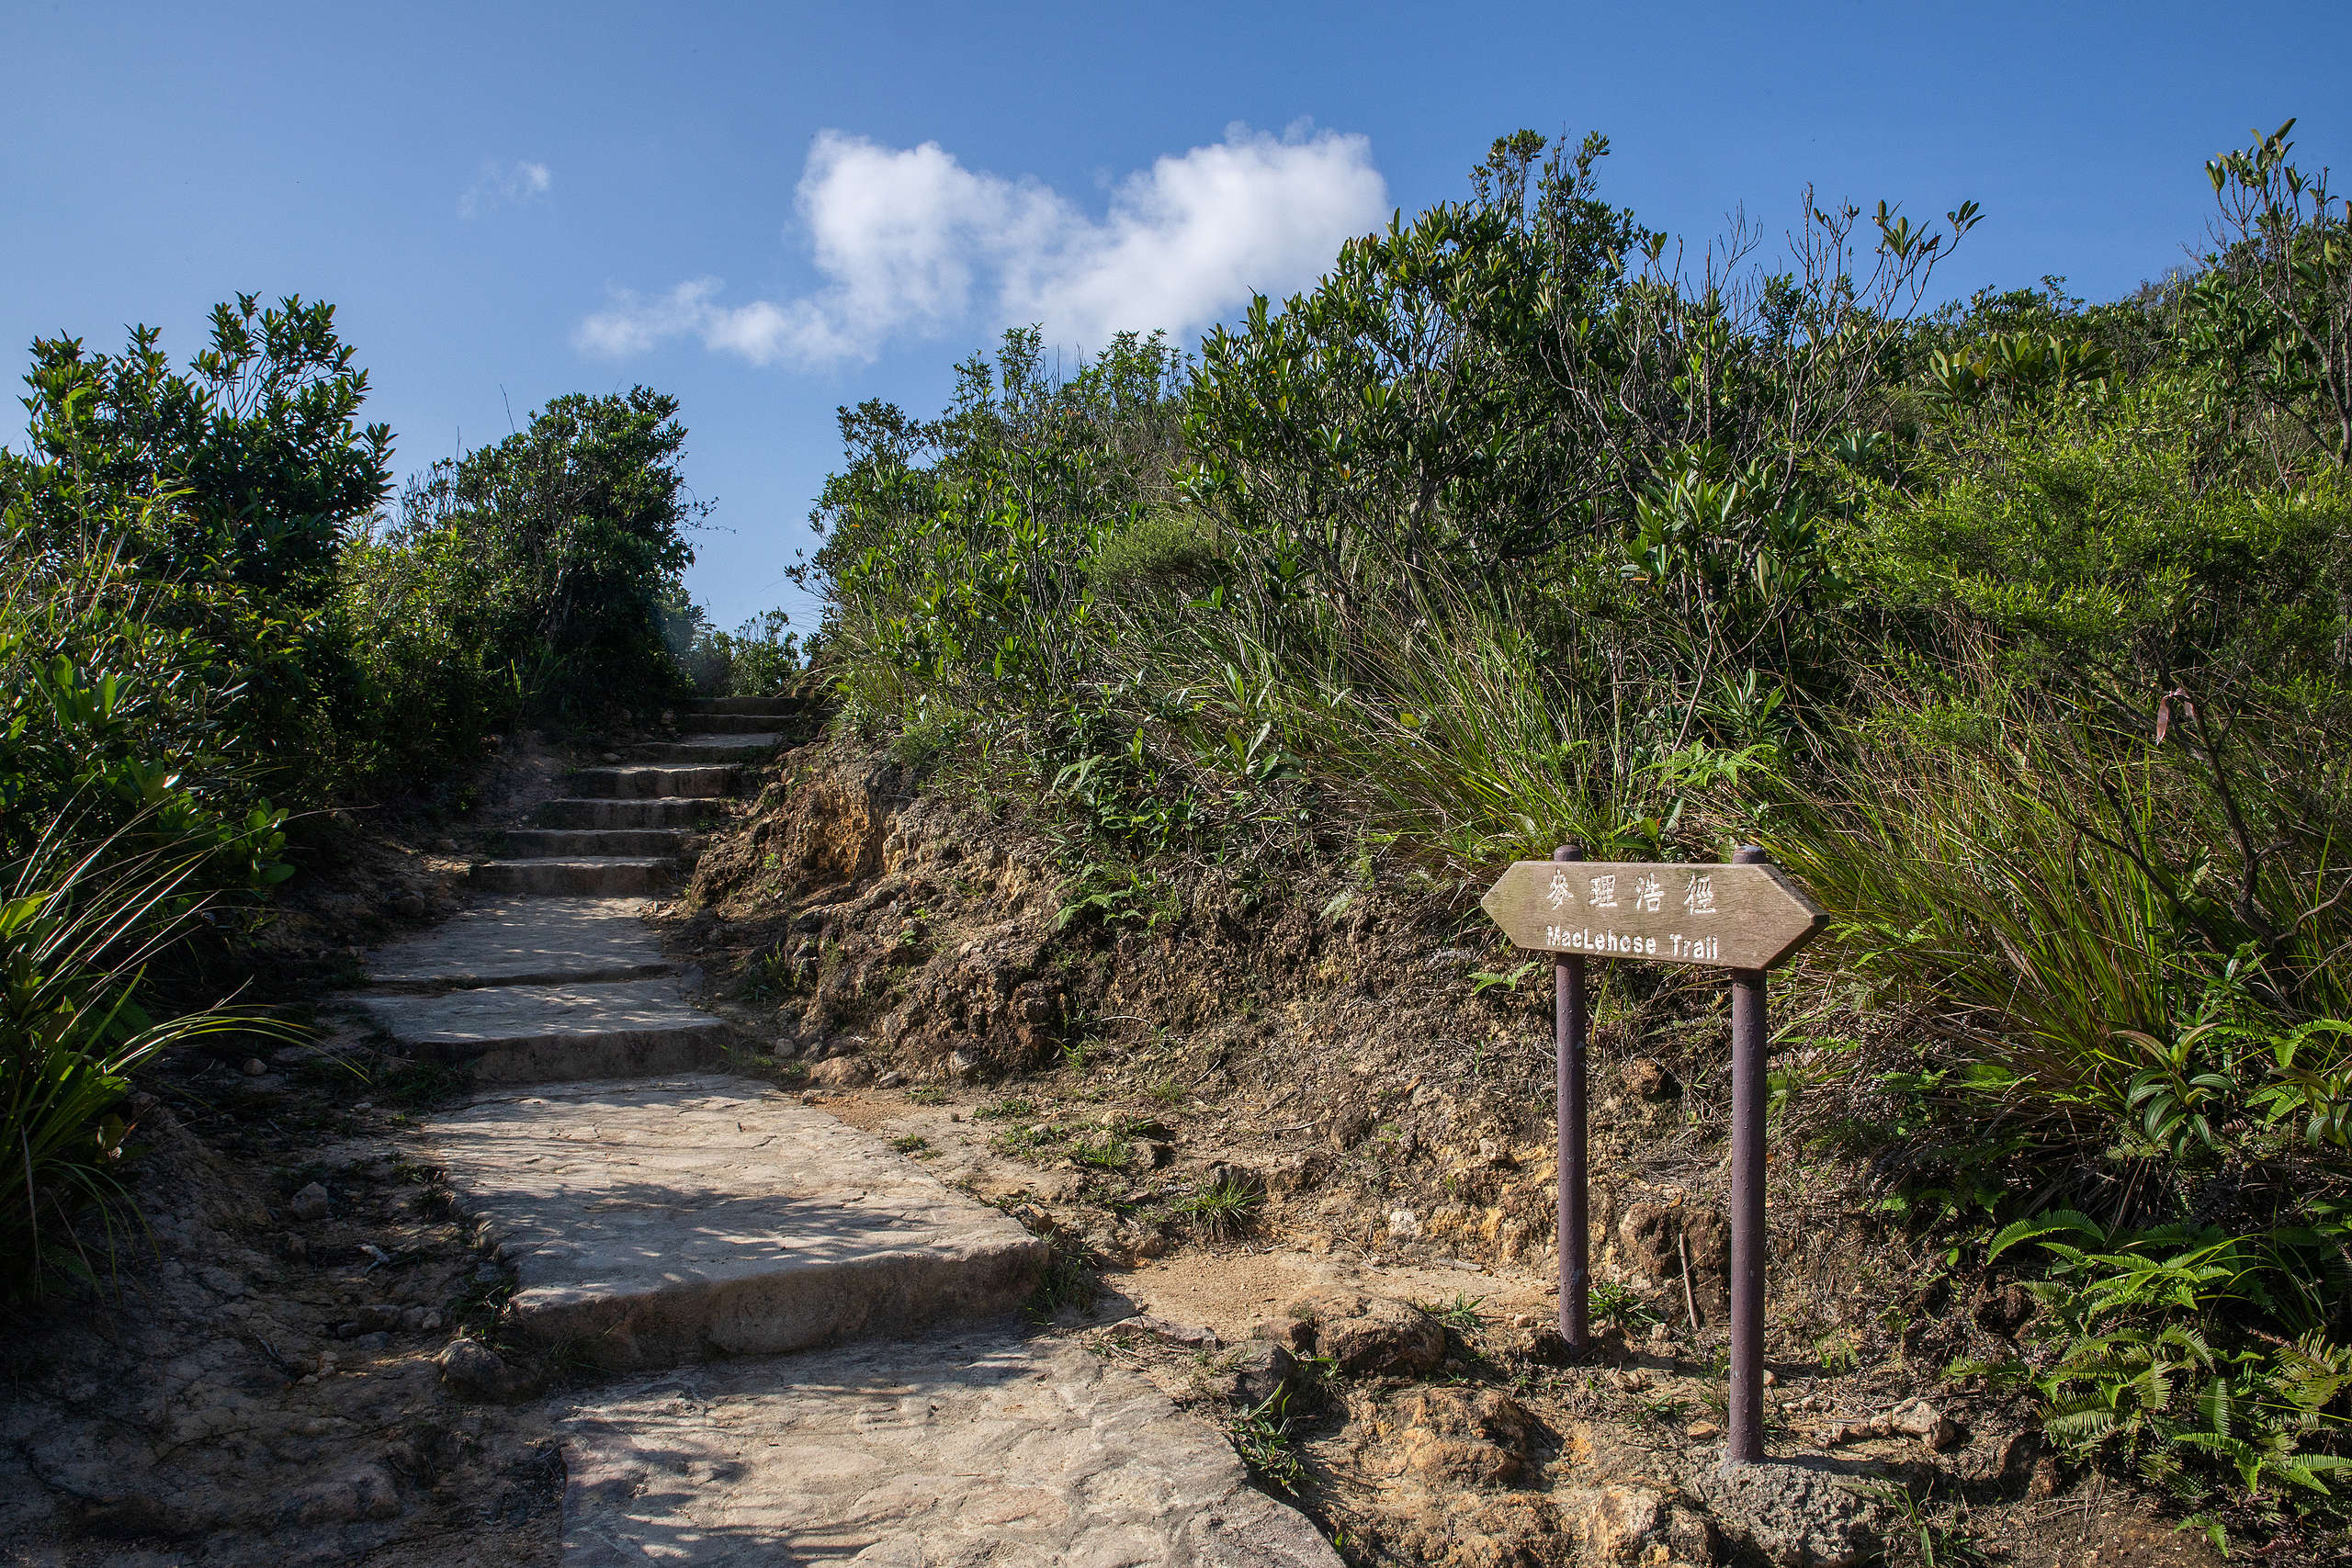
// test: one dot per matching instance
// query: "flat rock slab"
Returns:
(736, 748)
(518, 1034)
(728, 723)
(650, 780)
(669, 811)
(525, 941)
(957, 1449)
(584, 875)
(667, 841)
(772, 706)
(660, 1222)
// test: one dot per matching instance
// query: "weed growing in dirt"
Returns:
(927, 1094)
(1261, 1436)
(1068, 1280)
(1461, 1313)
(1005, 1110)
(1620, 1308)
(1223, 1209)
(1108, 1152)
(914, 1144)
(1662, 1410)
(1027, 1140)
(1931, 1535)
(417, 1083)
(768, 978)
(475, 1309)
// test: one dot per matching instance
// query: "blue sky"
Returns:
(772, 211)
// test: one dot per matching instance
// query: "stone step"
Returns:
(522, 1035)
(959, 1449)
(596, 876)
(657, 811)
(706, 781)
(727, 723)
(709, 749)
(775, 707)
(521, 842)
(703, 1216)
(526, 941)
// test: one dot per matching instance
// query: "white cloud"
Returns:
(505, 185)
(913, 243)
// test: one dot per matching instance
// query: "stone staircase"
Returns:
(659, 1212)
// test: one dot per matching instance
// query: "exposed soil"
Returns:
(260, 1386)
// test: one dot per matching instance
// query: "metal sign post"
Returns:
(1569, 1048)
(1746, 917)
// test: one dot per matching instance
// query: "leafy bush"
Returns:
(525, 578)
(759, 658)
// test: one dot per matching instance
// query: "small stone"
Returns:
(254, 1068)
(310, 1203)
(1649, 1078)
(1616, 1524)
(610, 757)
(1917, 1419)
(1460, 1437)
(411, 906)
(1255, 1373)
(1404, 1224)
(891, 1079)
(1700, 1431)
(473, 1366)
(841, 1072)
(1387, 1337)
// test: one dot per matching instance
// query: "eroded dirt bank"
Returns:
(1296, 1121)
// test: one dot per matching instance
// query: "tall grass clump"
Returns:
(79, 926)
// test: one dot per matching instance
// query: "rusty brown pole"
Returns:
(1569, 1043)
(1743, 1442)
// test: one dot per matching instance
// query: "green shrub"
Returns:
(759, 658)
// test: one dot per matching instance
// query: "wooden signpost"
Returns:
(1745, 916)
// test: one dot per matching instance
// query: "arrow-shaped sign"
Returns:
(1738, 916)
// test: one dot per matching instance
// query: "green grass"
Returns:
(1461, 1313)
(1222, 1208)
(76, 932)
(1261, 1436)
(1106, 1152)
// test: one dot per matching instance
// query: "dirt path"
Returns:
(661, 1217)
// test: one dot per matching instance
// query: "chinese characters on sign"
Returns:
(1739, 916)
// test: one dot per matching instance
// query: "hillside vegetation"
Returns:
(2021, 629)
(215, 622)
